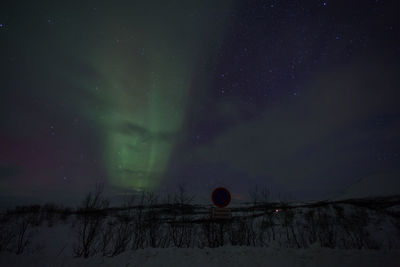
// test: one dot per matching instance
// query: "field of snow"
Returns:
(351, 232)
(218, 257)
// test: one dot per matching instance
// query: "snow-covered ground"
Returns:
(279, 234)
(221, 256)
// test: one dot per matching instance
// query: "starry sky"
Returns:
(299, 96)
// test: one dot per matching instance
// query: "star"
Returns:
(137, 94)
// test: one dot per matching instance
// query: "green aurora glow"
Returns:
(146, 79)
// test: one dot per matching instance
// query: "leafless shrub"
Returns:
(211, 234)
(7, 236)
(357, 222)
(180, 233)
(250, 232)
(153, 225)
(237, 233)
(258, 195)
(24, 231)
(182, 198)
(312, 225)
(352, 228)
(106, 238)
(122, 235)
(180, 229)
(139, 224)
(117, 232)
(288, 216)
(268, 224)
(90, 222)
(254, 195)
(326, 229)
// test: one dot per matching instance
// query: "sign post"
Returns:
(221, 198)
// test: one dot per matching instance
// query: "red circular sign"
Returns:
(221, 197)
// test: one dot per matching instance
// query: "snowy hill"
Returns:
(379, 184)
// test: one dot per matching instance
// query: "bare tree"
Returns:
(180, 228)
(254, 195)
(182, 197)
(122, 235)
(106, 238)
(23, 231)
(259, 195)
(90, 222)
(265, 194)
(139, 223)
(153, 224)
(7, 236)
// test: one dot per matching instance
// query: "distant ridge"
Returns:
(377, 184)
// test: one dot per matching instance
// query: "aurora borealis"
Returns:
(148, 79)
(300, 96)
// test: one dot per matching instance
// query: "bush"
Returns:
(90, 222)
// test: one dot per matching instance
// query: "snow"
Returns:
(222, 256)
(53, 241)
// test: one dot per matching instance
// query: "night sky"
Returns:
(299, 96)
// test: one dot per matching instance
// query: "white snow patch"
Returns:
(222, 256)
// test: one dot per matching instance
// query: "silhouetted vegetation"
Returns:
(142, 221)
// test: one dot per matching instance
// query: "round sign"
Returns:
(221, 197)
